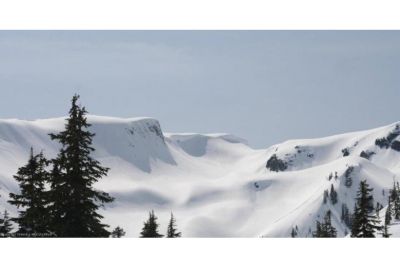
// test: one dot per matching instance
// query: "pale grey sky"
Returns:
(264, 86)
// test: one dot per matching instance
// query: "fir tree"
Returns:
(318, 231)
(385, 232)
(388, 213)
(150, 228)
(330, 230)
(325, 229)
(74, 200)
(388, 218)
(348, 179)
(346, 216)
(365, 224)
(326, 195)
(395, 199)
(33, 198)
(172, 231)
(378, 208)
(118, 232)
(5, 225)
(293, 233)
(333, 195)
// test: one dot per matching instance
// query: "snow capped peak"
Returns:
(217, 179)
(111, 120)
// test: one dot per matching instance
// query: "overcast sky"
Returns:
(264, 86)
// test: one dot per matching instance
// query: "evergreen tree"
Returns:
(5, 225)
(378, 208)
(172, 231)
(330, 230)
(388, 219)
(344, 211)
(293, 233)
(385, 232)
(325, 229)
(365, 224)
(118, 232)
(346, 216)
(33, 198)
(348, 182)
(395, 199)
(74, 200)
(318, 231)
(326, 195)
(333, 195)
(388, 213)
(150, 228)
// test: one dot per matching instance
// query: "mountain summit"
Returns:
(216, 184)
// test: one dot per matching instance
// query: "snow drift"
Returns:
(216, 185)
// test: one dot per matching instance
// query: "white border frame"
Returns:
(199, 14)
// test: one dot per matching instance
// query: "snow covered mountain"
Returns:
(215, 184)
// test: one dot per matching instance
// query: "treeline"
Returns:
(57, 197)
(365, 221)
(150, 228)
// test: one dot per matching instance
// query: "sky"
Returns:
(264, 86)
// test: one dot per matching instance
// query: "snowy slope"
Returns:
(216, 185)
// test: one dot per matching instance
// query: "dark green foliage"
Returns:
(118, 232)
(395, 201)
(74, 200)
(346, 217)
(5, 225)
(325, 229)
(382, 142)
(348, 182)
(150, 228)
(345, 152)
(333, 195)
(172, 232)
(388, 220)
(365, 223)
(385, 231)
(396, 145)
(388, 213)
(389, 141)
(367, 154)
(33, 198)
(318, 231)
(275, 164)
(294, 233)
(393, 135)
(326, 195)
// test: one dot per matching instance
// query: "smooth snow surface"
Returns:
(215, 184)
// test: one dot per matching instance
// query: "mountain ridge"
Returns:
(216, 185)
